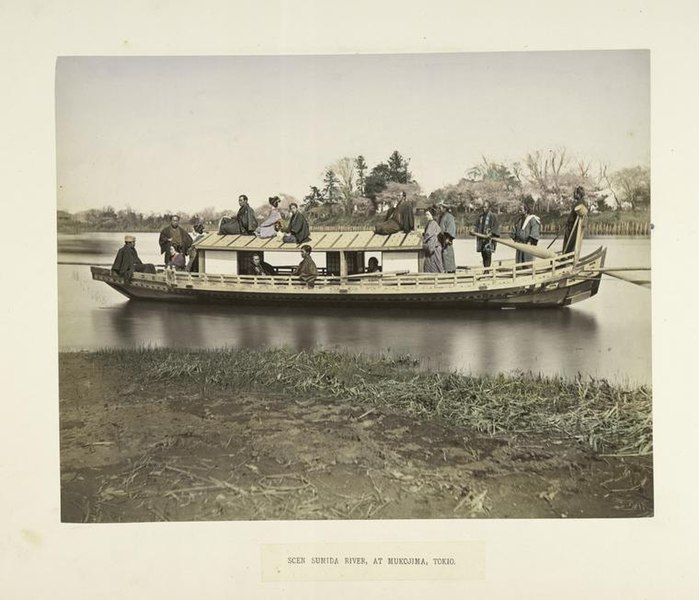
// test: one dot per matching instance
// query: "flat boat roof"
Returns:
(321, 241)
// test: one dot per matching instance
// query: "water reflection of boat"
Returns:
(549, 281)
(486, 340)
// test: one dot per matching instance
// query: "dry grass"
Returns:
(607, 418)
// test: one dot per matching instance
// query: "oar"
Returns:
(615, 273)
(526, 248)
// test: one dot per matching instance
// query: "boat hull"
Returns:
(561, 289)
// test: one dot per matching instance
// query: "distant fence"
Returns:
(623, 228)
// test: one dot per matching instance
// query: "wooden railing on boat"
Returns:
(500, 275)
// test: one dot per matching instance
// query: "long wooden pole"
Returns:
(526, 248)
(641, 282)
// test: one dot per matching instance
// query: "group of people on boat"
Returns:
(526, 230)
(297, 231)
(176, 245)
(180, 253)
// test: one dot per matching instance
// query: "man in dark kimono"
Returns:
(260, 267)
(307, 270)
(579, 211)
(298, 231)
(527, 229)
(398, 218)
(244, 223)
(487, 224)
(171, 236)
(127, 261)
(447, 224)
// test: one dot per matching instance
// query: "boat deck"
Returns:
(555, 281)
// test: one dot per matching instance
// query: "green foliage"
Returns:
(633, 185)
(330, 191)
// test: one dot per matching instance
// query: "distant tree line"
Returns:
(349, 191)
(550, 178)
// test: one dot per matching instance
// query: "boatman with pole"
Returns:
(527, 228)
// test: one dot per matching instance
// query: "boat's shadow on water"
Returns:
(477, 340)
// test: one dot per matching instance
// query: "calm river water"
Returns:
(607, 336)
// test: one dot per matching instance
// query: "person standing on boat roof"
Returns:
(487, 224)
(448, 226)
(527, 228)
(578, 211)
(127, 261)
(298, 231)
(307, 270)
(398, 218)
(244, 223)
(269, 227)
(431, 246)
(173, 235)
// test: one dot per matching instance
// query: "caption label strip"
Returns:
(373, 562)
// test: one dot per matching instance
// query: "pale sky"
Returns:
(185, 133)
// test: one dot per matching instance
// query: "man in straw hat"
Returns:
(127, 261)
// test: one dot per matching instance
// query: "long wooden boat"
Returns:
(553, 281)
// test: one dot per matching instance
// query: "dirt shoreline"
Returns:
(134, 449)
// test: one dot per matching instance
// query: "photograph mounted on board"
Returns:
(354, 287)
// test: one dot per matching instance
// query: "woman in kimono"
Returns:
(431, 246)
(579, 211)
(269, 227)
(448, 226)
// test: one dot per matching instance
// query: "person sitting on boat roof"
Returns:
(244, 223)
(173, 235)
(448, 226)
(127, 261)
(527, 228)
(578, 211)
(487, 224)
(260, 267)
(269, 227)
(307, 270)
(373, 265)
(398, 218)
(431, 246)
(298, 231)
(193, 261)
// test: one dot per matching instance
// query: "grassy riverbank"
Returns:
(278, 434)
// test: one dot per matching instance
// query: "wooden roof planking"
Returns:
(321, 241)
